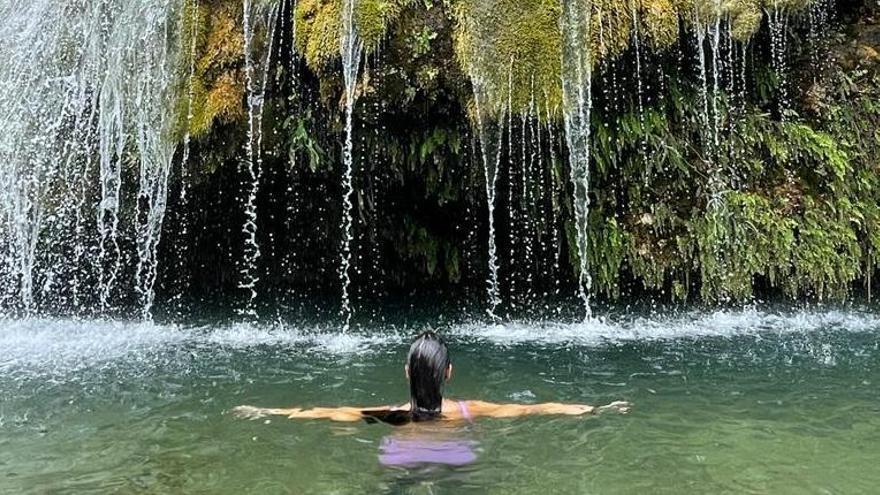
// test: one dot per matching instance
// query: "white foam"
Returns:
(327, 340)
(67, 346)
(71, 345)
(722, 323)
(71, 342)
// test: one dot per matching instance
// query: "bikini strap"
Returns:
(462, 405)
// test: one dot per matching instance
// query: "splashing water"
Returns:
(351, 48)
(64, 349)
(577, 107)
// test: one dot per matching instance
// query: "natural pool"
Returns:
(745, 401)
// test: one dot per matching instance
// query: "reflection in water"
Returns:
(399, 452)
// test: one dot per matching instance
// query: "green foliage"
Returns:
(788, 204)
(513, 44)
(797, 210)
(302, 142)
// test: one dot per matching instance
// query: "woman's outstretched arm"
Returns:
(341, 414)
(492, 410)
(477, 408)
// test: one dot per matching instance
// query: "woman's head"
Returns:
(427, 367)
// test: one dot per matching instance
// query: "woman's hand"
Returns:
(621, 407)
(249, 412)
(253, 413)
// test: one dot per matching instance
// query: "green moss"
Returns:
(515, 45)
(217, 85)
(512, 44)
(319, 27)
(799, 207)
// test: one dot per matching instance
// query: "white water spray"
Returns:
(155, 142)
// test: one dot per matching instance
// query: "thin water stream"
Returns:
(351, 49)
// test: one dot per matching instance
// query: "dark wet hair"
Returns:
(428, 361)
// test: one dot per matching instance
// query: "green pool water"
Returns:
(747, 401)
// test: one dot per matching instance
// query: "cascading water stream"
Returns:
(511, 187)
(819, 16)
(577, 108)
(490, 127)
(183, 200)
(155, 144)
(492, 100)
(716, 73)
(351, 48)
(700, 33)
(256, 78)
(778, 22)
(636, 37)
(86, 86)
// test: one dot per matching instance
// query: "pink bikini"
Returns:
(400, 452)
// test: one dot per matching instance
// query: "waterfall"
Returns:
(86, 85)
(490, 128)
(492, 102)
(778, 22)
(636, 36)
(96, 96)
(554, 198)
(183, 200)
(511, 187)
(716, 73)
(154, 127)
(351, 48)
(257, 70)
(819, 16)
(36, 58)
(577, 108)
(700, 41)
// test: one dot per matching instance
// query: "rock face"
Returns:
(419, 165)
(733, 152)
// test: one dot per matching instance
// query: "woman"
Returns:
(428, 368)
